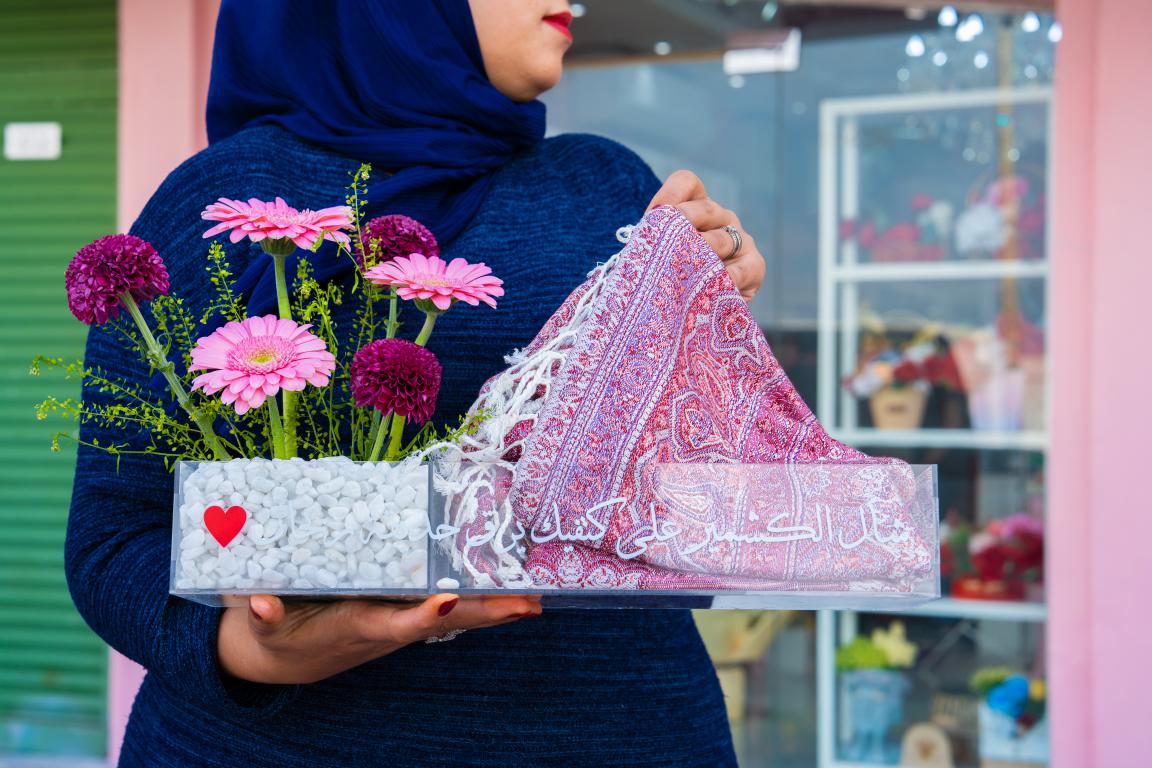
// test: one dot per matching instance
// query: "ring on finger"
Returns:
(737, 240)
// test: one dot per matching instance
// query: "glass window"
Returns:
(895, 175)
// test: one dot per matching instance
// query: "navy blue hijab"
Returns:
(396, 83)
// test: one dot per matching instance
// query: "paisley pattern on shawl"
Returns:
(657, 365)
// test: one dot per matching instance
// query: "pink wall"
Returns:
(1101, 518)
(1101, 526)
(165, 51)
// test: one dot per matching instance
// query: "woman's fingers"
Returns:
(681, 187)
(746, 267)
(707, 215)
(440, 614)
(265, 613)
(747, 273)
(723, 243)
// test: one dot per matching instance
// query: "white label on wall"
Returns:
(778, 52)
(32, 141)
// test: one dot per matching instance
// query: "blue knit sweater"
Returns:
(572, 687)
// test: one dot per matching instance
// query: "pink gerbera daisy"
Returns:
(258, 220)
(419, 277)
(253, 360)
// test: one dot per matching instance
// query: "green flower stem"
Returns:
(393, 325)
(280, 251)
(278, 260)
(161, 363)
(373, 431)
(378, 441)
(277, 428)
(393, 452)
(426, 331)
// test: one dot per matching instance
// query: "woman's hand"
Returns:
(269, 642)
(684, 190)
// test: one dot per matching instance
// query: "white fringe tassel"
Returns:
(467, 470)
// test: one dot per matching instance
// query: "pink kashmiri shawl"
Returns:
(649, 439)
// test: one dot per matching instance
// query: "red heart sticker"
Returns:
(225, 526)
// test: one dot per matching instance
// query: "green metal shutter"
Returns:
(57, 64)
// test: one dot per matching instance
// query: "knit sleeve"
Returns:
(119, 538)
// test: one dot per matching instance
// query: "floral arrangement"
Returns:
(1011, 548)
(998, 561)
(1006, 207)
(281, 385)
(1013, 694)
(922, 238)
(923, 363)
(884, 649)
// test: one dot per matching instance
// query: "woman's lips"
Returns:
(561, 21)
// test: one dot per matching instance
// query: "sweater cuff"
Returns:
(203, 676)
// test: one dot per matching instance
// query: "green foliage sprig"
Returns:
(329, 424)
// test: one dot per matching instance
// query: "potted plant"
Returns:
(1013, 727)
(897, 382)
(291, 472)
(874, 682)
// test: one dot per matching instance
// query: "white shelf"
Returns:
(991, 610)
(942, 438)
(938, 270)
(843, 279)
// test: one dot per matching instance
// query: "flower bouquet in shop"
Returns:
(1002, 561)
(646, 440)
(1013, 727)
(922, 237)
(898, 380)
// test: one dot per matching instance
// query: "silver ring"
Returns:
(451, 635)
(737, 240)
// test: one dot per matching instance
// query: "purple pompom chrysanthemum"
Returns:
(108, 267)
(396, 376)
(397, 235)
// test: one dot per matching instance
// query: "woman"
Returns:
(440, 96)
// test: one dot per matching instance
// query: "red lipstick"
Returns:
(561, 21)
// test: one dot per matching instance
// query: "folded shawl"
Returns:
(649, 439)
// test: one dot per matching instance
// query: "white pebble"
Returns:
(326, 525)
(332, 486)
(447, 583)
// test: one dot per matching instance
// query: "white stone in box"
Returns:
(328, 525)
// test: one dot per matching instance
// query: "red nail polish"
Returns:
(447, 607)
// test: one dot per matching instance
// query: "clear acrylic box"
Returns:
(796, 536)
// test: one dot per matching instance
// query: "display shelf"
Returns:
(990, 610)
(846, 279)
(939, 270)
(941, 438)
